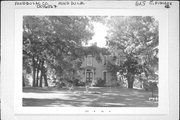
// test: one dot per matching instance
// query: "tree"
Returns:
(134, 40)
(130, 68)
(49, 43)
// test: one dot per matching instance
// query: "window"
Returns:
(89, 60)
(104, 75)
(104, 62)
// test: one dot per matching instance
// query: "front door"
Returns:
(89, 76)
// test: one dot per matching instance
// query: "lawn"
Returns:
(95, 97)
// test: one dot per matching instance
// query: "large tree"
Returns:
(49, 43)
(134, 40)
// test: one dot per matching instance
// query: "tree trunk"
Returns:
(34, 72)
(37, 75)
(24, 81)
(130, 84)
(41, 77)
(45, 77)
(130, 78)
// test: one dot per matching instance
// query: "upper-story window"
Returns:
(89, 60)
(105, 60)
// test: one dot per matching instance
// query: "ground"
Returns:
(95, 97)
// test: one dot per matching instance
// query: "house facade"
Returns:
(92, 69)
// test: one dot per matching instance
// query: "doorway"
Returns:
(89, 76)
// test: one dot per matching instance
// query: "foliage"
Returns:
(95, 51)
(53, 46)
(100, 19)
(25, 81)
(49, 43)
(150, 86)
(99, 82)
(59, 84)
(133, 41)
(81, 83)
(113, 68)
(78, 82)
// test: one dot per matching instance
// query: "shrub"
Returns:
(99, 82)
(76, 82)
(59, 84)
(81, 83)
(150, 85)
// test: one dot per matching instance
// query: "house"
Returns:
(93, 69)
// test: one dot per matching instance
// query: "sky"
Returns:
(100, 31)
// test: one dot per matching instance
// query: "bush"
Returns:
(99, 83)
(76, 82)
(80, 83)
(150, 86)
(59, 84)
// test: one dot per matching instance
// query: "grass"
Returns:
(96, 97)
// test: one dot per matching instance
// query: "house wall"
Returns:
(100, 68)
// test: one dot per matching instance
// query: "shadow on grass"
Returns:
(97, 97)
(67, 103)
(38, 90)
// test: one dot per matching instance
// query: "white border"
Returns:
(163, 107)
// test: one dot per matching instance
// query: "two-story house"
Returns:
(93, 69)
